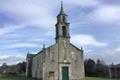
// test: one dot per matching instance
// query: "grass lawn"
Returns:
(14, 78)
(24, 78)
(96, 78)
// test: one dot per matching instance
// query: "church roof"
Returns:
(42, 50)
(76, 47)
(30, 55)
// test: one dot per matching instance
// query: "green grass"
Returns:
(14, 78)
(96, 78)
(24, 78)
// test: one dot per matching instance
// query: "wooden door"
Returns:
(65, 73)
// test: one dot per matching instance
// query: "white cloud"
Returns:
(4, 56)
(8, 28)
(38, 40)
(83, 2)
(22, 45)
(106, 54)
(88, 51)
(86, 40)
(106, 13)
(11, 59)
(118, 49)
(36, 13)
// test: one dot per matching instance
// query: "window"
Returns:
(51, 74)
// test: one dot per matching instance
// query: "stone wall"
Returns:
(37, 66)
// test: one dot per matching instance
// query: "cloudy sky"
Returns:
(25, 25)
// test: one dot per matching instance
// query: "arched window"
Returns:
(64, 31)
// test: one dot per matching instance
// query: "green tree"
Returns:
(101, 68)
(21, 67)
(90, 67)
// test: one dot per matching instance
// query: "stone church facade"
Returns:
(60, 61)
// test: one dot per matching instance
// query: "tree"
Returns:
(90, 67)
(21, 67)
(4, 65)
(101, 68)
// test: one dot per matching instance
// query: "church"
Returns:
(60, 61)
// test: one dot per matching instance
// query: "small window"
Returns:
(51, 73)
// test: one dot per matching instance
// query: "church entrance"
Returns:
(65, 73)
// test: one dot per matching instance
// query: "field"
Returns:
(24, 78)
(96, 78)
(15, 78)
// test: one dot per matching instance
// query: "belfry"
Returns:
(62, 26)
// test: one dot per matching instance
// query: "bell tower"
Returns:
(62, 27)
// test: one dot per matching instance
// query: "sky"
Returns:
(25, 25)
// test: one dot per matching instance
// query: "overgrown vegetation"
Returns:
(98, 69)
(13, 70)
